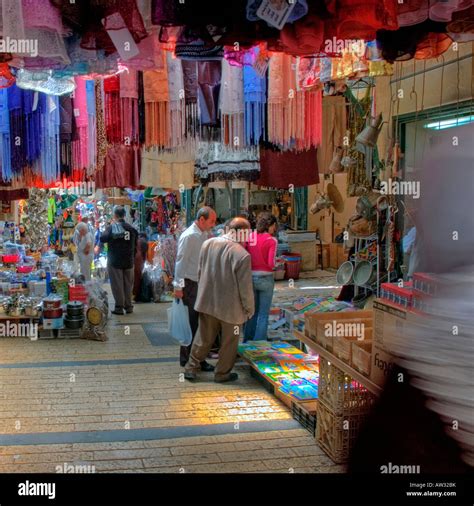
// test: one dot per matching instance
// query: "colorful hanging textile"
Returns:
(417, 11)
(156, 94)
(65, 133)
(190, 80)
(80, 145)
(34, 129)
(255, 96)
(5, 147)
(92, 120)
(50, 140)
(128, 81)
(177, 105)
(334, 119)
(17, 129)
(279, 169)
(232, 105)
(101, 135)
(209, 75)
(217, 162)
(122, 167)
(150, 53)
(168, 168)
(112, 116)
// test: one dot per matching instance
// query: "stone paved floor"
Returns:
(123, 406)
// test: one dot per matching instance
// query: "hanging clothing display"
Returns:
(255, 97)
(232, 105)
(177, 105)
(122, 167)
(217, 162)
(209, 83)
(80, 145)
(5, 147)
(168, 168)
(334, 119)
(417, 11)
(279, 169)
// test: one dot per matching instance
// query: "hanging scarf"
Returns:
(112, 115)
(232, 104)
(190, 96)
(91, 114)
(80, 146)
(129, 105)
(176, 100)
(156, 93)
(255, 90)
(100, 126)
(17, 129)
(5, 147)
(65, 132)
(50, 139)
(209, 81)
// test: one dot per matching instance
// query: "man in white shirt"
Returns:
(186, 272)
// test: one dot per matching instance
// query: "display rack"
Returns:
(356, 375)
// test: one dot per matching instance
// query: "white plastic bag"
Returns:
(178, 323)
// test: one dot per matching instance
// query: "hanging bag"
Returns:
(178, 323)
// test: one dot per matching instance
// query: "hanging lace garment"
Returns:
(91, 115)
(65, 134)
(190, 96)
(17, 129)
(129, 106)
(5, 148)
(156, 93)
(255, 90)
(217, 162)
(50, 139)
(416, 11)
(232, 105)
(177, 103)
(43, 23)
(80, 146)
(101, 136)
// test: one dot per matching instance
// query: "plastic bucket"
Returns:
(292, 265)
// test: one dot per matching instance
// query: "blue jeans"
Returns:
(256, 328)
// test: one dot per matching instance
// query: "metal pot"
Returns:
(52, 303)
(344, 273)
(52, 313)
(365, 273)
(75, 308)
(73, 323)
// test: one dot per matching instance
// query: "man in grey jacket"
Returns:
(224, 301)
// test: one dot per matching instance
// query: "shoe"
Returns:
(190, 376)
(117, 311)
(206, 367)
(129, 311)
(183, 363)
(233, 376)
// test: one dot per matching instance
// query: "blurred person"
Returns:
(262, 247)
(224, 301)
(121, 238)
(140, 259)
(84, 242)
(424, 416)
(186, 272)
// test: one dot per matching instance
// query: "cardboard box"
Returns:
(311, 319)
(361, 359)
(53, 323)
(342, 347)
(390, 323)
(381, 365)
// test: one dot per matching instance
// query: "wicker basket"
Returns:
(336, 433)
(340, 392)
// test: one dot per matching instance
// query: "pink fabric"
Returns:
(41, 14)
(262, 249)
(80, 147)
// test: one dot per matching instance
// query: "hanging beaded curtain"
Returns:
(5, 153)
(232, 105)
(157, 128)
(255, 93)
(176, 100)
(80, 145)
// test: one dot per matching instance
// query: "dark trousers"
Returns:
(189, 299)
(121, 282)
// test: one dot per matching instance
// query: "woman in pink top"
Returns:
(262, 247)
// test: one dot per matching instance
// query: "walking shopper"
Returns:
(122, 243)
(85, 249)
(262, 247)
(140, 258)
(186, 272)
(224, 301)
